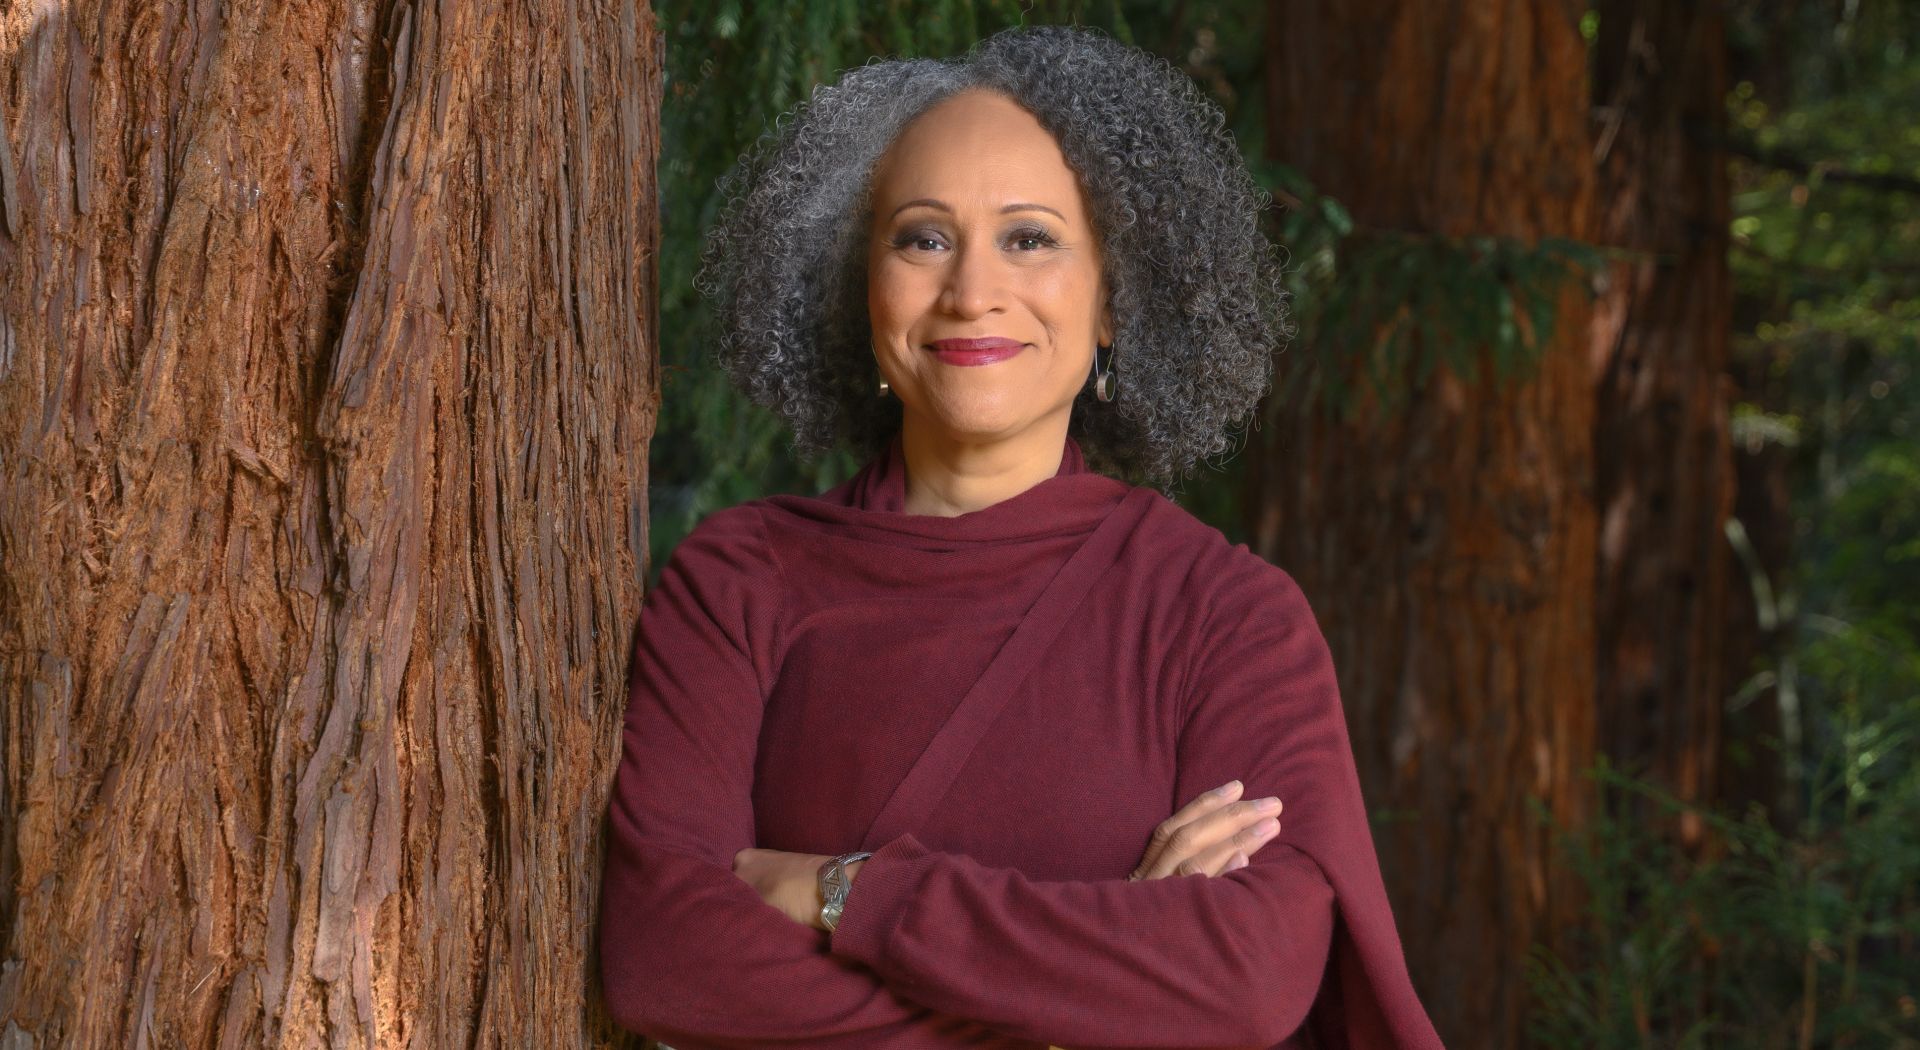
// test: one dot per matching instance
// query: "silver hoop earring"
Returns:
(884, 388)
(1105, 386)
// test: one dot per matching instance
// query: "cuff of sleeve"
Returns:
(878, 901)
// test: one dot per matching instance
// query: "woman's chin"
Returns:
(981, 421)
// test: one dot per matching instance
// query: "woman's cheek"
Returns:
(895, 301)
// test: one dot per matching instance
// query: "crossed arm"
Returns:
(1211, 835)
(935, 949)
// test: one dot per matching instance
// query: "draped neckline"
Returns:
(870, 505)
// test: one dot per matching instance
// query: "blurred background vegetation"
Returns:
(1794, 919)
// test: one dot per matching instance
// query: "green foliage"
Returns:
(1826, 257)
(1387, 307)
(1801, 927)
(1801, 938)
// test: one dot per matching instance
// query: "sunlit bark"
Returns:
(326, 378)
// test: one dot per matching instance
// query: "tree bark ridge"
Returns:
(328, 378)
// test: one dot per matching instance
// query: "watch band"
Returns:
(833, 887)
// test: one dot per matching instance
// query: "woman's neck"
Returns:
(948, 477)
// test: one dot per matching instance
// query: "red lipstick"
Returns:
(975, 351)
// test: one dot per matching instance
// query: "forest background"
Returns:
(352, 377)
(1778, 303)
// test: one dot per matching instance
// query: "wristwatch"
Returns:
(833, 887)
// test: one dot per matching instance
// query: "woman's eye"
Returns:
(1036, 238)
(1025, 240)
(919, 241)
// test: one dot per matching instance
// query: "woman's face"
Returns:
(984, 284)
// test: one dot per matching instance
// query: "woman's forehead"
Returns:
(978, 149)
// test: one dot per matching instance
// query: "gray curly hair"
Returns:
(1198, 306)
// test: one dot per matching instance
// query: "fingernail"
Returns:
(1267, 805)
(1227, 788)
(1266, 828)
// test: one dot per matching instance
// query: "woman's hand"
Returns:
(1211, 835)
(789, 881)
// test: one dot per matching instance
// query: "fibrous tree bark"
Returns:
(326, 379)
(1446, 538)
(1664, 467)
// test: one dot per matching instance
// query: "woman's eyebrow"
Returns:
(929, 202)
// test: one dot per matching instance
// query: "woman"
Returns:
(985, 747)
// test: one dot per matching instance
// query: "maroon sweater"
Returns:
(798, 655)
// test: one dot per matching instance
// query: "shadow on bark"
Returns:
(326, 379)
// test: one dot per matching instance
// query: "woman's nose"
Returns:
(975, 281)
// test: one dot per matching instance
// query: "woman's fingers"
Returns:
(1215, 839)
(1234, 851)
(1207, 834)
(1205, 802)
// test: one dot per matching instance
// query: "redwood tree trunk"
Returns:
(1664, 480)
(326, 379)
(1448, 544)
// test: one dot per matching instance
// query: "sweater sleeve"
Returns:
(689, 953)
(1231, 960)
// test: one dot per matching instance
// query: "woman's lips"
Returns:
(975, 351)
